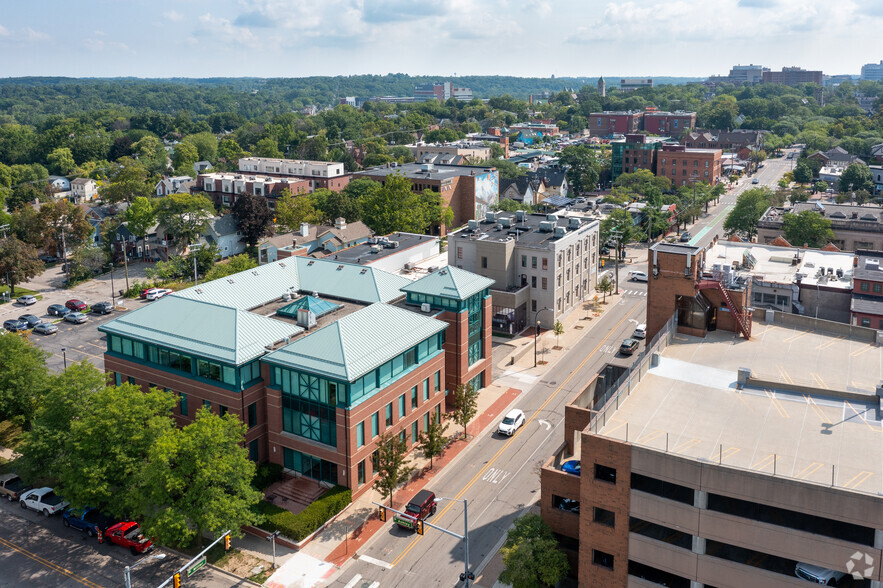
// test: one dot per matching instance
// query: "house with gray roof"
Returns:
(223, 231)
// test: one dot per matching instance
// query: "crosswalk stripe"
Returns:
(352, 583)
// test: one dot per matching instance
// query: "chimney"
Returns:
(305, 229)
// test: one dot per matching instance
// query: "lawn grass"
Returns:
(19, 291)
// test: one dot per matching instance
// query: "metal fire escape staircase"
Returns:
(742, 321)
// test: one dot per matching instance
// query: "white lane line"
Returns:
(352, 583)
(376, 562)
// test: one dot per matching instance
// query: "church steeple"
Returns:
(602, 86)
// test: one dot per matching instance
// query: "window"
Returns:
(360, 434)
(599, 558)
(426, 421)
(459, 253)
(389, 414)
(414, 397)
(426, 389)
(437, 381)
(375, 424)
(533, 262)
(604, 517)
(523, 261)
(545, 263)
(222, 410)
(605, 473)
(361, 472)
(533, 305)
(415, 432)
(545, 283)
(184, 411)
(878, 288)
(252, 414)
(533, 281)
(866, 322)
(402, 406)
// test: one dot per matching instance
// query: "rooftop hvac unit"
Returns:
(552, 217)
(472, 225)
(574, 223)
(286, 296)
(506, 222)
(498, 227)
(490, 217)
(433, 268)
(559, 232)
(425, 307)
(376, 248)
(520, 216)
(546, 226)
(306, 318)
(391, 244)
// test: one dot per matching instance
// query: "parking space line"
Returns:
(686, 445)
(808, 470)
(768, 460)
(858, 479)
(798, 336)
(777, 404)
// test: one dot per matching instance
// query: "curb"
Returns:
(186, 557)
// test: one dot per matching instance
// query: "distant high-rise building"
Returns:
(629, 84)
(873, 71)
(750, 74)
(441, 91)
(792, 76)
(602, 87)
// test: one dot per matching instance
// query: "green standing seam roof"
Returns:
(348, 281)
(449, 282)
(207, 330)
(357, 343)
(319, 307)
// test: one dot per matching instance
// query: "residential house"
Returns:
(174, 185)
(59, 185)
(836, 157)
(554, 179)
(223, 231)
(83, 189)
(877, 153)
(314, 240)
(202, 166)
(520, 189)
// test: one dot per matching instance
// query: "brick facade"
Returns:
(456, 346)
(683, 165)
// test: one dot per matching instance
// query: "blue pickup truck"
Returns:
(88, 520)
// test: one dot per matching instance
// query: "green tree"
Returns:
(230, 151)
(618, 226)
(127, 181)
(390, 463)
(236, 264)
(141, 217)
(750, 206)
(465, 399)
(719, 113)
(185, 216)
(605, 287)
(107, 447)
(267, 147)
(206, 146)
(558, 329)
(18, 262)
(506, 169)
(341, 205)
(254, 217)
(802, 173)
(531, 556)
(24, 194)
(61, 161)
(186, 154)
(807, 228)
(86, 261)
(291, 211)
(432, 441)
(23, 378)
(198, 479)
(583, 168)
(856, 177)
(820, 186)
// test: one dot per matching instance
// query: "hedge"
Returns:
(265, 474)
(299, 526)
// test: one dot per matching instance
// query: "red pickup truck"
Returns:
(128, 534)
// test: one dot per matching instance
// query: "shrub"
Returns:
(300, 526)
(266, 474)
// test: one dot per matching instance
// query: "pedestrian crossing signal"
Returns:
(419, 527)
(382, 513)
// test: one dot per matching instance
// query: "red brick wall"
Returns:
(663, 289)
(609, 496)
(457, 368)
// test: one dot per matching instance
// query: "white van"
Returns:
(640, 331)
(638, 276)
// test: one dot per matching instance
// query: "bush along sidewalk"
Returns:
(298, 527)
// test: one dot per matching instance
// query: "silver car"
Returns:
(26, 300)
(45, 328)
(76, 317)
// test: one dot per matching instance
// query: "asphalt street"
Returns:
(499, 476)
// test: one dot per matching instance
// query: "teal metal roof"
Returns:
(449, 282)
(258, 286)
(357, 343)
(348, 281)
(207, 330)
(319, 307)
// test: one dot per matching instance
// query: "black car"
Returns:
(47, 259)
(15, 325)
(102, 308)
(686, 236)
(629, 346)
(57, 310)
(31, 319)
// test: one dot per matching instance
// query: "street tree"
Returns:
(25, 194)
(198, 479)
(605, 287)
(583, 168)
(506, 169)
(856, 177)
(18, 262)
(558, 329)
(107, 447)
(433, 440)
(750, 206)
(230, 151)
(465, 398)
(127, 181)
(141, 217)
(802, 173)
(64, 224)
(531, 556)
(394, 207)
(61, 161)
(807, 227)
(267, 147)
(186, 154)
(342, 205)
(236, 264)
(23, 378)
(390, 465)
(254, 217)
(292, 210)
(185, 216)
(820, 186)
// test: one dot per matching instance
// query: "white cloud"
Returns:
(94, 44)
(4, 32)
(173, 15)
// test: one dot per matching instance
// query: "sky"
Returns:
(293, 38)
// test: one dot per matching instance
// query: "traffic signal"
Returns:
(176, 580)
(419, 527)
(382, 513)
(226, 542)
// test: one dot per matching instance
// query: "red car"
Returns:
(128, 534)
(75, 305)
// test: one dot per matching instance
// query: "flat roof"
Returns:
(690, 402)
(528, 233)
(370, 252)
(418, 171)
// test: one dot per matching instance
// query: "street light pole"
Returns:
(466, 576)
(136, 564)
(64, 357)
(112, 296)
(536, 333)
(194, 248)
(272, 539)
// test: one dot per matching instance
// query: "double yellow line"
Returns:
(491, 461)
(48, 564)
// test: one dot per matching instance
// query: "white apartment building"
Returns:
(291, 167)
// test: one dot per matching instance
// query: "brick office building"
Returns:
(320, 174)
(683, 165)
(225, 187)
(792, 76)
(867, 290)
(607, 123)
(315, 377)
(668, 124)
(637, 152)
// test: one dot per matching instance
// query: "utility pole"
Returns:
(126, 262)
(617, 235)
(194, 248)
(67, 272)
